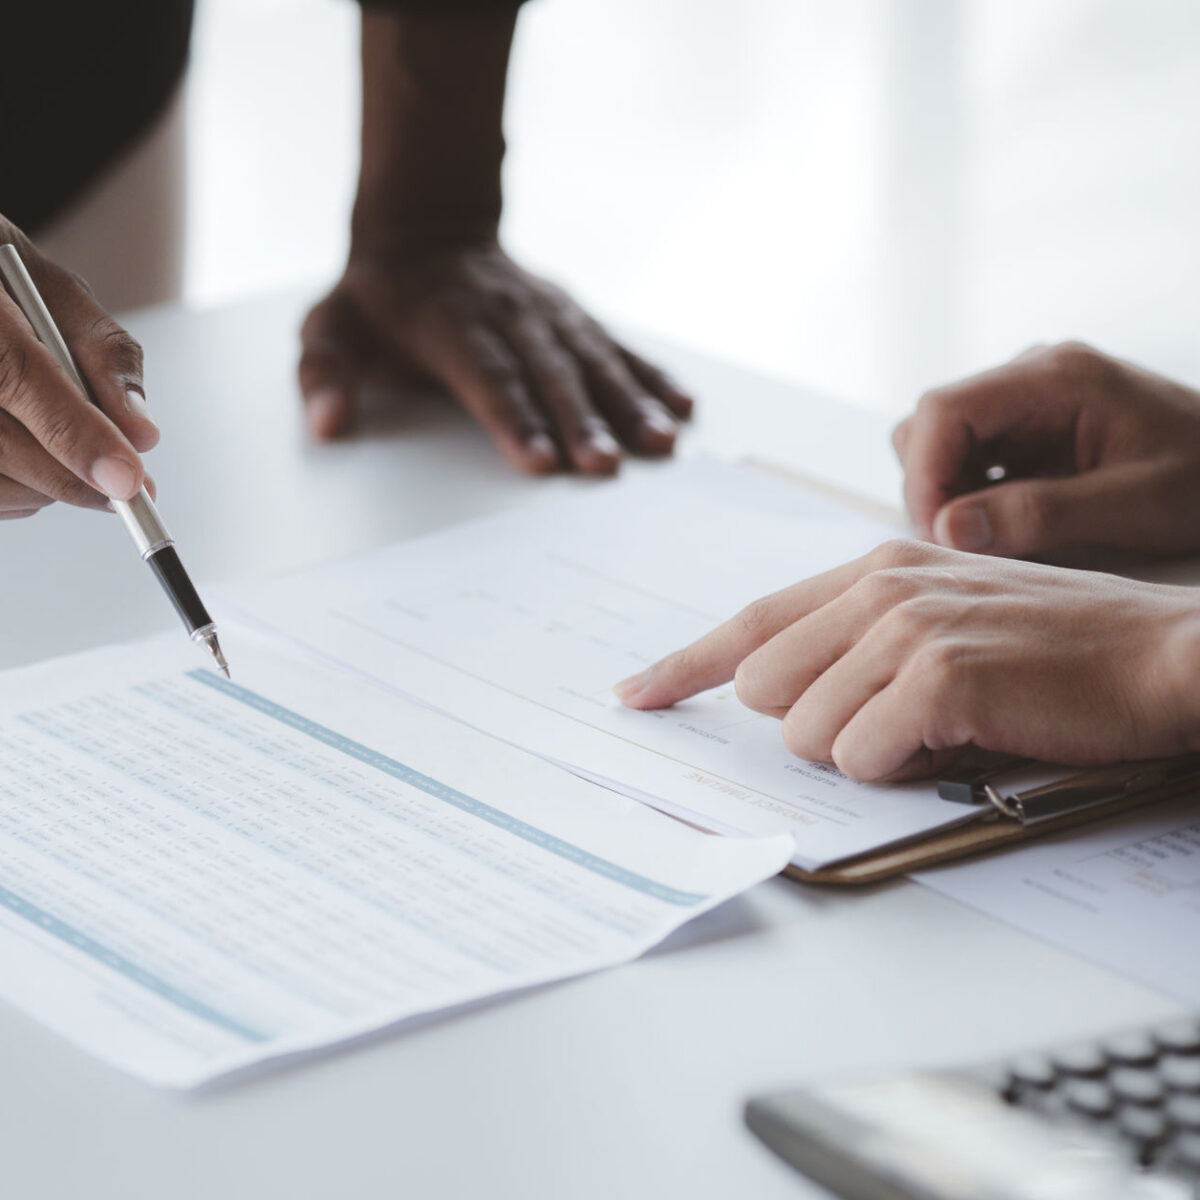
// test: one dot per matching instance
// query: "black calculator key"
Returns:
(1089, 1097)
(1085, 1058)
(1134, 1049)
(1032, 1070)
(1179, 1037)
(1137, 1087)
(1184, 1111)
(1181, 1073)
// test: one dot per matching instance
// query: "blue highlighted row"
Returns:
(440, 791)
(116, 962)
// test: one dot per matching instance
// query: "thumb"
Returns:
(1031, 516)
(331, 367)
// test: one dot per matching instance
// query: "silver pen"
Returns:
(154, 543)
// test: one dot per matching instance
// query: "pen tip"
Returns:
(209, 639)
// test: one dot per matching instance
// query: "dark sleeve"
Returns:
(439, 5)
(81, 84)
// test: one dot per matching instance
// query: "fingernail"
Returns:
(136, 403)
(966, 528)
(658, 420)
(145, 435)
(540, 447)
(603, 442)
(115, 478)
(324, 412)
(627, 689)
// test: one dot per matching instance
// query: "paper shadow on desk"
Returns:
(736, 918)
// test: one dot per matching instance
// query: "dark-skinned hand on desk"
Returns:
(427, 289)
(54, 444)
(891, 665)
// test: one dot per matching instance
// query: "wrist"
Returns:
(432, 136)
(399, 232)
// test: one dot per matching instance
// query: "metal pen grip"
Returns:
(144, 524)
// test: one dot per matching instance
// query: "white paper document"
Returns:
(1124, 892)
(199, 875)
(520, 624)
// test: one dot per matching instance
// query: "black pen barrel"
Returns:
(164, 562)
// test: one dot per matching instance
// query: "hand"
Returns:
(544, 379)
(1094, 452)
(891, 664)
(55, 444)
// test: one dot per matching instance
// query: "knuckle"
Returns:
(916, 614)
(61, 435)
(896, 552)
(509, 305)
(318, 319)
(1076, 358)
(123, 352)
(575, 323)
(934, 403)
(556, 367)
(887, 588)
(494, 363)
(755, 617)
(894, 573)
(14, 369)
(939, 664)
(81, 284)
(748, 683)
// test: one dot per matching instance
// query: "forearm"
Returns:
(432, 129)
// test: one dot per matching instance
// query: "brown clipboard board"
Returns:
(978, 837)
(990, 832)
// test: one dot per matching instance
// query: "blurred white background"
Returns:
(865, 195)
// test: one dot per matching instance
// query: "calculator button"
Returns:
(1145, 1126)
(1185, 1153)
(1137, 1087)
(1089, 1097)
(1136, 1049)
(1179, 1037)
(1184, 1111)
(1032, 1070)
(1083, 1059)
(1180, 1074)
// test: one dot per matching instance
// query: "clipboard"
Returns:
(1004, 819)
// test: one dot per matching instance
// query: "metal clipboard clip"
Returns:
(1089, 789)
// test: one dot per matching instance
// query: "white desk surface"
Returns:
(624, 1084)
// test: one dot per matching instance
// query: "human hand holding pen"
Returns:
(54, 444)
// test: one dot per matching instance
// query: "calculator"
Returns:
(1115, 1118)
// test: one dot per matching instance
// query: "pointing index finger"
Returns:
(713, 659)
